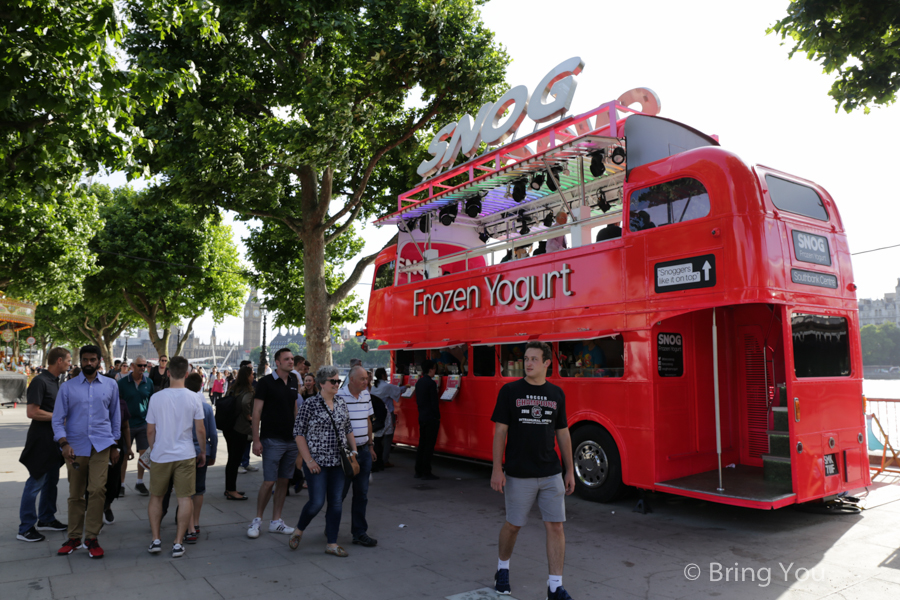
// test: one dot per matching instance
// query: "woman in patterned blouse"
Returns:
(315, 430)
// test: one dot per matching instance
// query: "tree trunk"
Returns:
(318, 309)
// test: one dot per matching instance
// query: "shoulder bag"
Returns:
(348, 462)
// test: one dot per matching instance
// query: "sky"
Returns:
(714, 68)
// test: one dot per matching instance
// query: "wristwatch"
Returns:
(354, 453)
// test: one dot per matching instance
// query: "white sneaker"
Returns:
(252, 468)
(279, 527)
(253, 531)
(242, 470)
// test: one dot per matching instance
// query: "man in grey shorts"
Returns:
(528, 414)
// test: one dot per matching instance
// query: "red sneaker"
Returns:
(94, 549)
(71, 545)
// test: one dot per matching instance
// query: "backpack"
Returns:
(227, 409)
(380, 416)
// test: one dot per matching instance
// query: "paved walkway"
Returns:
(440, 541)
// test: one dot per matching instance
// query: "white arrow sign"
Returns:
(705, 268)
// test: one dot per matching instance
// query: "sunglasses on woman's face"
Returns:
(334, 381)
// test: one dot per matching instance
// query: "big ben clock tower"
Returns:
(252, 322)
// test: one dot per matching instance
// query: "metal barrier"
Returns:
(883, 425)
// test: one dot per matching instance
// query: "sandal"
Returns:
(230, 497)
(336, 551)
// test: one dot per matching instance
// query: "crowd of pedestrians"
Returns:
(311, 431)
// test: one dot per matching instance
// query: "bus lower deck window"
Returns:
(512, 361)
(600, 357)
(484, 361)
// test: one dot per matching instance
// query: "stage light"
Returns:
(537, 181)
(524, 230)
(548, 219)
(602, 203)
(518, 193)
(448, 214)
(473, 206)
(618, 155)
(424, 223)
(598, 168)
(551, 180)
(411, 225)
(484, 236)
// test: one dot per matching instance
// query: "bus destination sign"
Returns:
(685, 274)
(824, 280)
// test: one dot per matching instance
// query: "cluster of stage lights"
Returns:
(473, 204)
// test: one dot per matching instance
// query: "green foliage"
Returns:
(44, 245)
(880, 344)
(857, 40)
(306, 103)
(67, 108)
(199, 269)
(369, 359)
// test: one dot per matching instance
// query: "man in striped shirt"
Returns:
(359, 404)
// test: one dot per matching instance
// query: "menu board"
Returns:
(452, 388)
(412, 387)
(397, 379)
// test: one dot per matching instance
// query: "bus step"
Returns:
(781, 418)
(779, 443)
(777, 469)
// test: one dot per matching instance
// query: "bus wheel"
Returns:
(598, 470)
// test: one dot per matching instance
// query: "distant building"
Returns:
(876, 312)
(194, 350)
(291, 336)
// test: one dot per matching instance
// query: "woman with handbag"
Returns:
(327, 454)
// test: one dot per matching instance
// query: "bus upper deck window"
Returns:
(795, 198)
(668, 203)
(384, 276)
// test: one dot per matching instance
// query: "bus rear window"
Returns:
(668, 203)
(821, 346)
(795, 198)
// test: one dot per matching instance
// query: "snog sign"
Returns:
(466, 135)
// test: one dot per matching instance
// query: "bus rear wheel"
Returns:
(598, 469)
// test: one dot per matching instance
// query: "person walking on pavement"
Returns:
(274, 411)
(159, 374)
(237, 434)
(171, 419)
(136, 390)
(529, 416)
(86, 425)
(41, 454)
(321, 428)
(429, 420)
(359, 405)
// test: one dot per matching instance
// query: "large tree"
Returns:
(857, 40)
(308, 117)
(169, 262)
(67, 105)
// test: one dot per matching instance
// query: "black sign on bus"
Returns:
(811, 248)
(685, 274)
(812, 278)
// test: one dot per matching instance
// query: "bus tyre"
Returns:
(598, 469)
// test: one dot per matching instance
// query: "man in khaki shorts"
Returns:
(531, 413)
(171, 417)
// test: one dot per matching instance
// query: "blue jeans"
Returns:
(245, 461)
(46, 486)
(327, 483)
(360, 484)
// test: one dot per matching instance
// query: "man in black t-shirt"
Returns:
(429, 405)
(274, 411)
(159, 374)
(530, 416)
(41, 455)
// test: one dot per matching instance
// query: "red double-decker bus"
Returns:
(701, 311)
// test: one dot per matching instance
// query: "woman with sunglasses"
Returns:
(321, 428)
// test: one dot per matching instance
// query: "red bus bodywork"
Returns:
(663, 428)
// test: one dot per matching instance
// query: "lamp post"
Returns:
(263, 356)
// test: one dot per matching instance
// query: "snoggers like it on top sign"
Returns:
(466, 135)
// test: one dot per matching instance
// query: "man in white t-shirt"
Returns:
(171, 418)
(359, 404)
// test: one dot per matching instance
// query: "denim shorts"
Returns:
(200, 485)
(278, 458)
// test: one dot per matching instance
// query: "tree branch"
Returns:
(345, 288)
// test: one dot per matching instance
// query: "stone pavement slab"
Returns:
(447, 547)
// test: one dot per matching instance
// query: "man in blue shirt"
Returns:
(87, 423)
